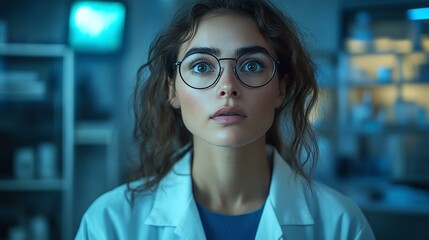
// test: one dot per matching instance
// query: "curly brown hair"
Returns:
(159, 130)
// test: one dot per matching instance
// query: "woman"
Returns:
(226, 88)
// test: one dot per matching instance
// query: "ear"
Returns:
(172, 96)
(282, 91)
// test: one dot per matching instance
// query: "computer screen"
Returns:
(96, 26)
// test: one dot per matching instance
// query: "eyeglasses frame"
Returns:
(274, 61)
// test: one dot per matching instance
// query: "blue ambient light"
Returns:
(96, 26)
(418, 13)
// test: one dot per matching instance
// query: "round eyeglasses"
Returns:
(202, 70)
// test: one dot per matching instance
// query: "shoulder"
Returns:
(289, 186)
(121, 199)
(344, 215)
(121, 203)
(114, 212)
(325, 211)
(328, 197)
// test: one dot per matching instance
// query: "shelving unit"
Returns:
(384, 92)
(383, 106)
(37, 106)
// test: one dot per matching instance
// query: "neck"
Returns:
(231, 180)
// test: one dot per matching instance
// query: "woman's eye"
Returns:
(202, 68)
(252, 67)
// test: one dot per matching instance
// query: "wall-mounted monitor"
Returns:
(96, 26)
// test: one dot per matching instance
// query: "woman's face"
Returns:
(227, 114)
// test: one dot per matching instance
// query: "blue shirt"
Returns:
(229, 227)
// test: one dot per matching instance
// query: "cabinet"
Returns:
(383, 102)
(36, 135)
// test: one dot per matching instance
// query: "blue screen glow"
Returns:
(418, 13)
(96, 26)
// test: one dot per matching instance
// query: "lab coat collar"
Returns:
(288, 194)
(175, 206)
(286, 201)
(174, 203)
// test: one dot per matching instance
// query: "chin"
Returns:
(233, 142)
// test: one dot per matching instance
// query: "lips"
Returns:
(228, 115)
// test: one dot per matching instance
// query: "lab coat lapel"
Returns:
(269, 227)
(190, 226)
(287, 208)
(174, 203)
(288, 195)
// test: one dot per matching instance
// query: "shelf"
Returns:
(93, 133)
(419, 83)
(378, 128)
(21, 96)
(372, 54)
(373, 83)
(31, 185)
(31, 93)
(370, 84)
(32, 50)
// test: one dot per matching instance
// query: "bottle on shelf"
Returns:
(360, 36)
(24, 163)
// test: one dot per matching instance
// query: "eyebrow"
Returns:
(216, 51)
(212, 51)
(244, 50)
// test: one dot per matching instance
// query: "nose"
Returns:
(228, 85)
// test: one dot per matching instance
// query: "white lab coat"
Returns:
(291, 211)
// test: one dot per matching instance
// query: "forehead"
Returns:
(226, 32)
